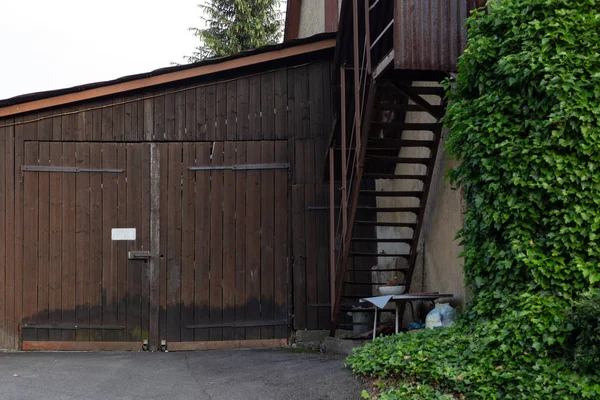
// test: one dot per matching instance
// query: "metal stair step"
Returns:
(382, 240)
(378, 223)
(393, 176)
(398, 143)
(360, 254)
(400, 160)
(386, 193)
(403, 126)
(405, 107)
(390, 209)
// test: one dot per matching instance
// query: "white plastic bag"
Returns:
(448, 315)
(434, 318)
(443, 315)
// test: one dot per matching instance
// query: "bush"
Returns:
(524, 120)
(586, 336)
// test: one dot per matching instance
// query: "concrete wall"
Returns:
(312, 18)
(443, 268)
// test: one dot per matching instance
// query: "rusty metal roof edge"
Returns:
(24, 98)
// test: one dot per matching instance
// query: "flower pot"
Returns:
(391, 290)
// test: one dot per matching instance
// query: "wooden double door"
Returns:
(131, 242)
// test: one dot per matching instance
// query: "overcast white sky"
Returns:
(51, 44)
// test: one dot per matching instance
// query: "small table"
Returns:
(381, 301)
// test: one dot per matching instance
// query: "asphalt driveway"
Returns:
(210, 375)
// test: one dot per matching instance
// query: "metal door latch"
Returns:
(139, 255)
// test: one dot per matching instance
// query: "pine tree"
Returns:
(232, 26)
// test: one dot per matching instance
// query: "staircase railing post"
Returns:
(331, 228)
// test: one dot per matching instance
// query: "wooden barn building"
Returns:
(191, 207)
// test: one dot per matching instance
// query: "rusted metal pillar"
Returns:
(357, 111)
(367, 46)
(344, 202)
(331, 228)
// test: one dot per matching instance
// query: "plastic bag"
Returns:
(448, 315)
(443, 315)
(434, 318)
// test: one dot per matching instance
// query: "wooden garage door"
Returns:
(208, 260)
(224, 235)
(78, 283)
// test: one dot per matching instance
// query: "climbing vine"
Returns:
(524, 117)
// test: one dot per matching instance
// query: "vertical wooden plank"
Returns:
(55, 264)
(302, 105)
(216, 243)
(299, 263)
(148, 119)
(96, 125)
(174, 244)
(267, 197)
(281, 104)
(118, 119)
(229, 210)
(201, 114)
(88, 120)
(164, 215)
(30, 242)
(69, 256)
(187, 220)
(169, 117)
(232, 118)
(9, 170)
(121, 246)
(240, 241)
(107, 122)
(310, 235)
(202, 242)
(155, 195)
(3, 265)
(45, 126)
(79, 128)
(96, 243)
(134, 267)
(109, 249)
(82, 237)
(68, 123)
(316, 95)
(210, 117)
(57, 128)
(299, 162)
(280, 245)
(253, 240)
(139, 122)
(254, 108)
(129, 132)
(190, 115)
(243, 116)
(180, 120)
(18, 288)
(144, 237)
(221, 112)
(267, 106)
(324, 313)
(158, 132)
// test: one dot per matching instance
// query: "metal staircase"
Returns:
(381, 160)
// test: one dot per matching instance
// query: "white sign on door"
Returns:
(123, 234)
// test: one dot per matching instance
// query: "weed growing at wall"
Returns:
(524, 117)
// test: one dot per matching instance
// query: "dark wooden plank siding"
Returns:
(224, 251)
